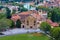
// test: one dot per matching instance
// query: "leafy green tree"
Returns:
(42, 8)
(8, 13)
(2, 15)
(12, 24)
(53, 13)
(4, 24)
(14, 11)
(41, 0)
(18, 23)
(55, 17)
(1, 7)
(55, 33)
(17, 4)
(45, 27)
(23, 9)
(20, 5)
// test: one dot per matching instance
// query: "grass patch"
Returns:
(33, 36)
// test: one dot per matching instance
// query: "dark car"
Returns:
(1, 34)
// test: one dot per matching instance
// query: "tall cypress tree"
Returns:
(8, 13)
(18, 23)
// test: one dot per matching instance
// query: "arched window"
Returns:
(34, 22)
(27, 22)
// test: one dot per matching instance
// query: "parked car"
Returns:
(1, 33)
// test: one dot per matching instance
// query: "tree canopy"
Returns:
(18, 23)
(2, 15)
(45, 26)
(5, 23)
(42, 8)
(8, 13)
(55, 15)
(55, 33)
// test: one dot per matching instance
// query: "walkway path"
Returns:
(20, 31)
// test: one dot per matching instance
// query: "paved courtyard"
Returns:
(20, 31)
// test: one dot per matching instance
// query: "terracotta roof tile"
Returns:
(54, 24)
(28, 12)
(49, 21)
(23, 15)
(15, 17)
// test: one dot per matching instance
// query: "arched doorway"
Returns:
(23, 26)
(31, 27)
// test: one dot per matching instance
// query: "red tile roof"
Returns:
(37, 16)
(24, 15)
(15, 17)
(49, 21)
(54, 24)
(28, 12)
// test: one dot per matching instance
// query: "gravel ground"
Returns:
(19, 31)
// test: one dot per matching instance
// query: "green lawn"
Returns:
(25, 37)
